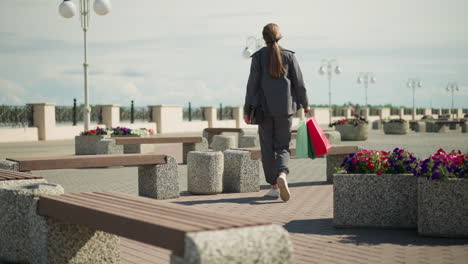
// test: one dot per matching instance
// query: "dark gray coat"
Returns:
(283, 96)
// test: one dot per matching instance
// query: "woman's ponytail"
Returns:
(272, 35)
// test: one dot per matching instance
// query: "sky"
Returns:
(175, 52)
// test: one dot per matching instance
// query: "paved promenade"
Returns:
(307, 216)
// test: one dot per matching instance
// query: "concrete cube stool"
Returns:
(241, 173)
(249, 142)
(205, 172)
(464, 127)
(22, 230)
(187, 147)
(9, 165)
(221, 143)
(334, 137)
(420, 126)
(108, 146)
(159, 181)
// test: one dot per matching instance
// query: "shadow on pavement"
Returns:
(368, 236)
(242, 200)
(299, 184)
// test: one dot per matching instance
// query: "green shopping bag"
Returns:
(304, 148)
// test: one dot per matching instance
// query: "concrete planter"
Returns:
(396, 128)
(86, 145)
(370, 200)
(353, 133)
(443, 207)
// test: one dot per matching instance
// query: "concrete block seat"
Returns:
(241, 173)
(205, 172)
(188, 143)
(208, 133)
(222, 143)
(86, 228)
(157, 174)
(249, 142)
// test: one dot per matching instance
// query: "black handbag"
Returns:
(256, 110)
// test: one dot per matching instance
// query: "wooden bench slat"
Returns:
(143, 215)
(245, 221)
(8, 175)
(143, 210)
(156, 140)
(120, 224)
(211, 218)
(87, 161)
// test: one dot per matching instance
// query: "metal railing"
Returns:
(16, 116)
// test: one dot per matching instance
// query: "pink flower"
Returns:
(354, 161)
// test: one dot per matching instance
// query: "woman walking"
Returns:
(276, 86)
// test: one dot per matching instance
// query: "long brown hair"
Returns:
(271, 35)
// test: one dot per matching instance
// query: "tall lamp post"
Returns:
(366, 78)
(329, 67)
(68, 9)
(452, 87)
(413, 83)
(252, 44)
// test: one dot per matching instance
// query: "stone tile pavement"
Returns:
(307, 216)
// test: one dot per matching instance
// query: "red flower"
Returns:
(370, 165)
(379, 172)
(384, 152)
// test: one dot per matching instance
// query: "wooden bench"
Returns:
(334, 157)
(193, 235)
(157, 174)
(11, 178)
(133, 144)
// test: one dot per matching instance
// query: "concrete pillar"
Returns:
(168, 118)
(348, 112)
(401, 113)
(110, 115)
(301, 114)
(210, 115)
(384, 113)
(458, 113)
(44, 119)
(365, 112)
(238, 113)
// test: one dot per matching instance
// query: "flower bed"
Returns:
(86, 142)
(352, 129)
(376, 189)
(443, 195)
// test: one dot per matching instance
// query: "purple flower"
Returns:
(435, 176)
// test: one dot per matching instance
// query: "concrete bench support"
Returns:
(9, 165)
(205, 172)
(159, 181)
(249, 142)
(222, 143)
(335, 157)
(245, 245)
(28, 237)
(187, 147)
(108, 146)
(241, 173)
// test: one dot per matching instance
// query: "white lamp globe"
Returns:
(372, 79)
(322, 70)
(337, 70)
(359, 80)
(247, 53)
(101, 7)
(67, 9)
(419, 84)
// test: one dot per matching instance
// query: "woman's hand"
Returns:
(247, 119)
(307, 110)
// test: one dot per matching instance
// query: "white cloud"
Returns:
(11, 92)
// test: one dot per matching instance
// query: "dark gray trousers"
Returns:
(275, 135)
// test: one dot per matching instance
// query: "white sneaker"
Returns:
(283, 186)
(272, 193)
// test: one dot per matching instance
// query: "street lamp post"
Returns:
(329, 67)
(67, 9)
(366, 78)
(413, 83)
(452, 87)
(252, 44)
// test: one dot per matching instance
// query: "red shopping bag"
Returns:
(318, 137)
